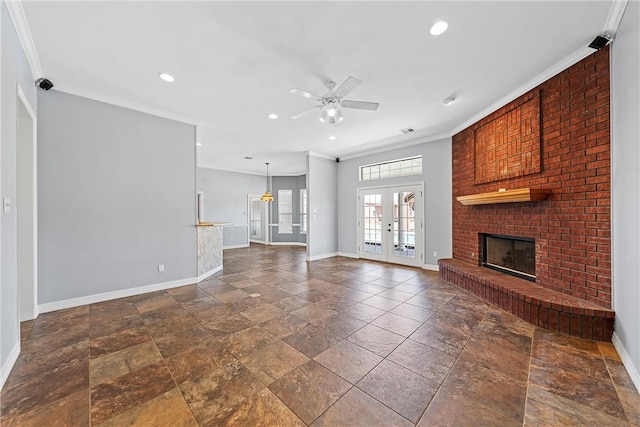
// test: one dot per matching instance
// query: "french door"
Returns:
(390, 224)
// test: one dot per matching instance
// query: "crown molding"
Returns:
(615, 16)
(101, 97)
(320, 155)
(395, 146)
(16, 12)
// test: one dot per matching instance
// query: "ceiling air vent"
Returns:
(407, 130)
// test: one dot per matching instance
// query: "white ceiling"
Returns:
(234, 63)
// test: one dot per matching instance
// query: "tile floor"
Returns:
(335, 342)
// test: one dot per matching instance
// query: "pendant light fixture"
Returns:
(267, 197)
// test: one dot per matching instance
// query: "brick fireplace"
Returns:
(554, 137)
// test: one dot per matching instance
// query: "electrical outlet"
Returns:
(435, 254)
(160, 268)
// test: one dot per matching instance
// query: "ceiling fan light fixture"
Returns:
(324, 116)
(167, 77)
(439, 27)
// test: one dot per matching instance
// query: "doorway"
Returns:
(26, 208)
(258, 221)
(390, 224)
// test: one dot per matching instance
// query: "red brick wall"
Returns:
(572, 227)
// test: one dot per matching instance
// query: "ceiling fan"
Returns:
(331, 102)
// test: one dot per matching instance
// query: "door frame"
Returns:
(263, 219)
(26, 211)
(418, 260)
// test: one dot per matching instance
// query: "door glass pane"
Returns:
(404, 224)
(372, 218)
(256, 225)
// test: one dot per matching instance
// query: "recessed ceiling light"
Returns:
(448, 101)
(332, 137)
(407, 130)
(167, 77)
(273, 116)
(438, 28)
(248, 158)
(199, 144)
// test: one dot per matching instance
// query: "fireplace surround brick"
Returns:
(572, 228)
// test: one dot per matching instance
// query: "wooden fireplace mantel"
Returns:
(507, 196)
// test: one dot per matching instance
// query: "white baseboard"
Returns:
(430, 267)
(348, 255)
(287, 244)
(626, 361)
(92, 299)
(208, 274)
(8, 364)
(323, 256)
(245, 245)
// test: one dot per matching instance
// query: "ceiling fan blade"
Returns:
(297, 116)
(347, 86)
(360, 105)
(305, 93)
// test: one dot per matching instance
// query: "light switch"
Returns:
(6, 204)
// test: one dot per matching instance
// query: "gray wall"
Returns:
(322, 191)
(116, 198)
(625, 139)
(436, 175)
(225, 200)
(293, 183)
(14, 70)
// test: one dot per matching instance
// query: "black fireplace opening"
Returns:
(510, 254)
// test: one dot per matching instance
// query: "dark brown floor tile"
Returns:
(630, 399)
(160, 328)
(231, 296)
(312, 340)
(449, 408)
(397, 324)
(245, 304)
(200, 304)
(548, 409)
(357, 408)
(108, 310)
(262, 313)
(149, 296)
(188, 364)
(245, 342)
(314, 312)
(363, 312)
(284, 325)
(225, 325)
(113, 365)
(166, 301)
(164, 313)
(348, 360)
(179, 341)
(341, 324)
(431, 300)
(381, 303)
(216, 288)
(291, 303)
(464, 325)
(99, 329)
(409, 288)
(424, 360)
(404, 391)
(118, 341)
(375, 339)
(214, 395)
(396, 294)
(128, 391)
(46, 388)
(493, 390)
(414, 312)
(213, 313)
(442, 338)
(168, 409)
(72, 410)
(309, 390)
(273, 361)
(262, 409)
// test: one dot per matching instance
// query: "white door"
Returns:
(390, 224)
(257, 219)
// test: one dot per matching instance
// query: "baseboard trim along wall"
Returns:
(244, 245)
(626, 361)
(322, 256)
(287, 244)
(7, 366)
(430, 267)
(123, 293)
(209, 273)
(348, 255)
